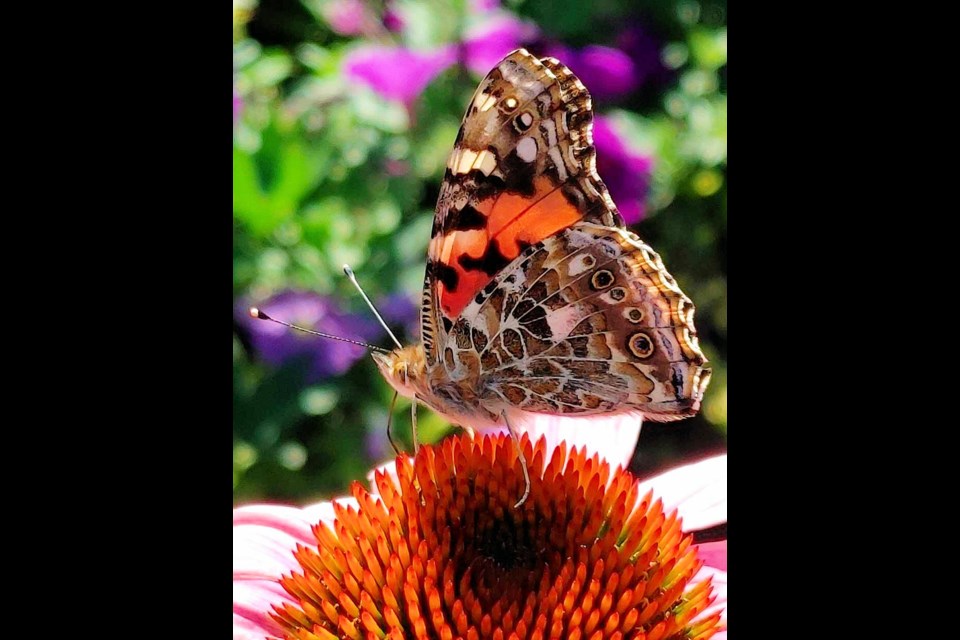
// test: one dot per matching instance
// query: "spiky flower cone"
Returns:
(442, 553)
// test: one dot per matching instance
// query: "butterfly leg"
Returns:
(523, 462)
(413, 425)
(393, 404)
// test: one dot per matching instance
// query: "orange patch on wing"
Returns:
(469, 283)
(514, 219)
(513, 222)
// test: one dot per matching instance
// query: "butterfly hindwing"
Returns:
(587, 321)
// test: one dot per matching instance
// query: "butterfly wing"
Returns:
(587, 321)
(536, 297)
(521, 170)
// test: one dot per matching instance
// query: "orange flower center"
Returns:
(443, 554)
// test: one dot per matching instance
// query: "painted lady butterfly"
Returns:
(537, 299)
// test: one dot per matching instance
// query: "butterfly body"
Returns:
(537, 299)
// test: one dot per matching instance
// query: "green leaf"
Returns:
(709, 47)
(431, 150)
(269, 185)
(430, 23)
(270, 408)
(270, 69)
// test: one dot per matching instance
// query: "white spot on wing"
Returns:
(580, 264)
(465, 161)
(558, 162)
(480, 99)
(551, 131)
(488, 104)
(486, 162)
(527, 149)
(563, 320)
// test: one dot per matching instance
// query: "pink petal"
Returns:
(262, 552)
(264, 538)
(289, 520)
(713, 554)
(251, 602)
(697, 491)
(314, 513)
(614, 437)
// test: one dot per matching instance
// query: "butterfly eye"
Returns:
(634, 315)
(618, 294)
(523, 121)
(640, 345)
(601, 279)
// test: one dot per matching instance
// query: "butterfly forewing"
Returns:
(522, 169)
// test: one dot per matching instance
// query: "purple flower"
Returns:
(490, 40)
(397, 73)
(401, 74)
(400, 309)
(644, 51)
(277, 344)
(625, 172)
(612, 72)
(607, 72)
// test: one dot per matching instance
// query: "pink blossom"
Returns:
(397, 73)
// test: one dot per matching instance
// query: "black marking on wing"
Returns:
(677, 380)
(491, 262)
(446, 274)
(466, 219)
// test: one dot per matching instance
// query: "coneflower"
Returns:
(438, 551)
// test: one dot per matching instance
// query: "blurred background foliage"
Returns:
(344, 113)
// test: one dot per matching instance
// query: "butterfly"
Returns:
(537, 299)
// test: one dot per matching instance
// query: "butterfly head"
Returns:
(405, 370)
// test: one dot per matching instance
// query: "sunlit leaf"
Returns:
(709, 47)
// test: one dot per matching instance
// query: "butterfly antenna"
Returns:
(261, 315)
(349, 272)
